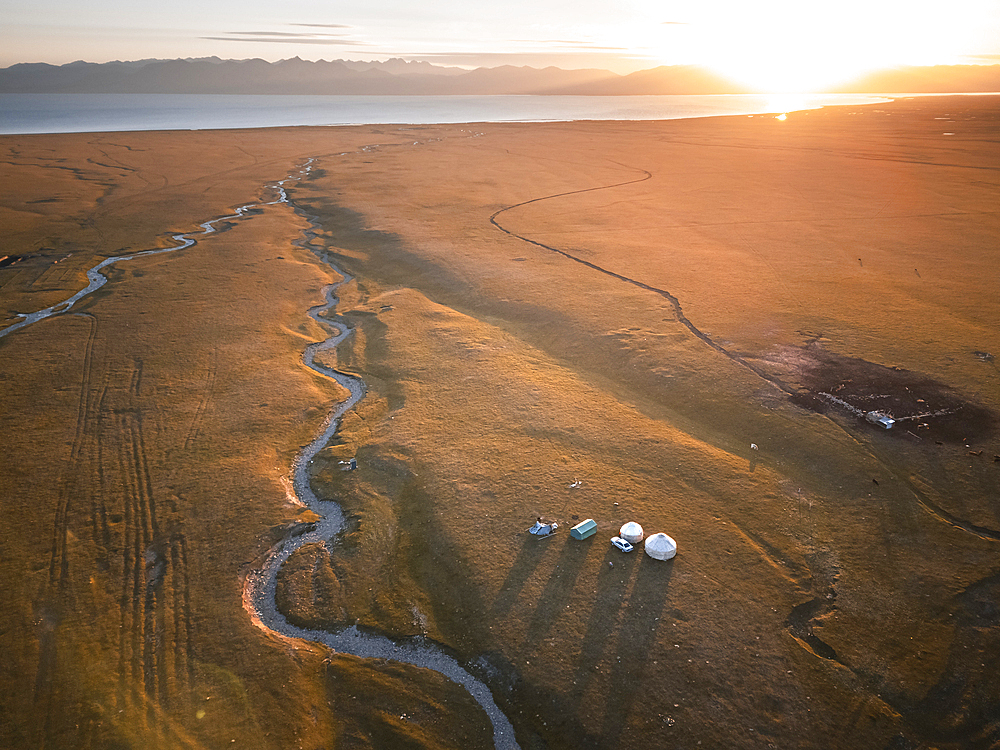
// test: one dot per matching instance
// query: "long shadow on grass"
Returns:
(558, 590)
(636, 637)
(609, 598)
(532, 550)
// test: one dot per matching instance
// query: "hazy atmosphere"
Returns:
(456, 376)
(770, 45)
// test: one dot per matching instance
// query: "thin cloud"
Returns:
(290, 34)
(322, 25)
(288, 37)
(674, 23)
(568, 44)
(548, 41)
(585, 46)
(288, 40)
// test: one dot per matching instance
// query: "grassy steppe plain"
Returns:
(624, 305)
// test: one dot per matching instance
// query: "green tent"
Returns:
(584, 529)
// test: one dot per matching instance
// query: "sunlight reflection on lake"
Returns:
(89, 113)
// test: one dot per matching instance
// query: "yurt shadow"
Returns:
(558, 589)
(636, 637)
(609, 598)
(531, 552)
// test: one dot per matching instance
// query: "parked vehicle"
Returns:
(621, 544)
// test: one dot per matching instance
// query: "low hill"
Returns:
(930, 79)
(213, 75)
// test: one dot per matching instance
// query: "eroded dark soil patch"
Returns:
(920, 406)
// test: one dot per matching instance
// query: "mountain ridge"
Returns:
(213, 75)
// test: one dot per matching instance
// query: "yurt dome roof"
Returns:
(660, 546)
(631, 532)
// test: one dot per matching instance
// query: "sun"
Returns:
(786, 46)
(794, 48)
(785, 69)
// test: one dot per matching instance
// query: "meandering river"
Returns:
(260, 584)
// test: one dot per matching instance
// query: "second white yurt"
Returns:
(660, 547)
(631, 532)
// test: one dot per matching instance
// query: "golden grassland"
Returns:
(622, 306)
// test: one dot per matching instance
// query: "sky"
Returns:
(772, 44)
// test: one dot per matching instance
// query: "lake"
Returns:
(93, 113)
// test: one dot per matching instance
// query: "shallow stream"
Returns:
(260, 584)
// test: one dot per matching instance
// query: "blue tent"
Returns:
(543, 527)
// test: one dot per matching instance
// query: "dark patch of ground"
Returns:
(921, 406)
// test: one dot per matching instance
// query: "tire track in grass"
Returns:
(209, 393)
(675, 303)
(149, 564)
(109, 484)
(137, 622)
(133, 567)
(56, 588)
(183, 627)
(140, 654)
(137, 602)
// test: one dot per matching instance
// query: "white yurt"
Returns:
(660, 547)
(631, 532)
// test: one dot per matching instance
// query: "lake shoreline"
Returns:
(76, 113)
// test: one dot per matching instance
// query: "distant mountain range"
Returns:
(212, 75)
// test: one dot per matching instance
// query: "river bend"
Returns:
(260, 584)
